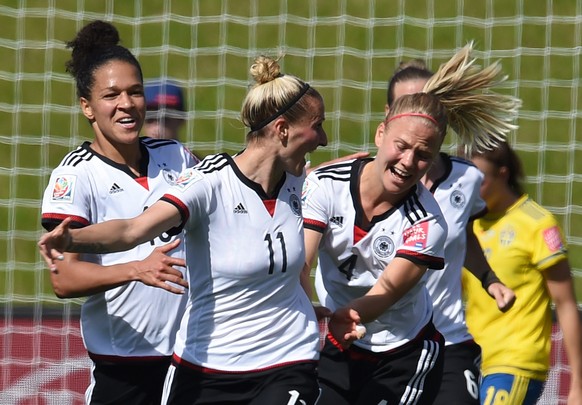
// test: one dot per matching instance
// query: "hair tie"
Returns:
(283, 109)
(428, 117)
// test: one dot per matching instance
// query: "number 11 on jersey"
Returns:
(269, 240)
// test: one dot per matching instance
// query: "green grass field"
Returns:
(347, 49)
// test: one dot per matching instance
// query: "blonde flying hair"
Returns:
(274, 95)
(480, 117)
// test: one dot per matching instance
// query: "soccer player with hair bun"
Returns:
(249, 334)
(377, 231)
(132, 311)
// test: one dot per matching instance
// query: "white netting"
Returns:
(347, 49)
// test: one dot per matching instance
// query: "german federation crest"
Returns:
(458, 199)
(295, 204)
(383, 246)
(170, 176)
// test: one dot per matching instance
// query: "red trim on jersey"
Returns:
(334, 342)
(108, 358)
(433, 262)
(359, 233)
(184, 211)
(270, 206)
(143, 181)
(314, 224)
(61, 217)
(176, 360)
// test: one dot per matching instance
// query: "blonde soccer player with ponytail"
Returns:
(455, 183)
(377, 230)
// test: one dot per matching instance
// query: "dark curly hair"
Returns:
(95, 44)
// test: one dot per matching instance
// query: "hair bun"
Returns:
(265, 69)
(418, 64)
(95, 35)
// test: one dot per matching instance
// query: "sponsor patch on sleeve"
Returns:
(416, 236)
(187, 178)
(308, 188)
(553, 238)
(64, 189)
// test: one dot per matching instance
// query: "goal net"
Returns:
(347, 49)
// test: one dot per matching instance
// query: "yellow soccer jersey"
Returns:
(519, 246)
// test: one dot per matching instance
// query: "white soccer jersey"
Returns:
(134, 319)
(457, 193)
(246, 310)
(352, 257)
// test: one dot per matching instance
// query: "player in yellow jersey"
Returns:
(524, 245)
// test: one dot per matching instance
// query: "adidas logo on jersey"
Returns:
(115, 189)
(240, 209)
(339, 221)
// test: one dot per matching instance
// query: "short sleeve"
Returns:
(315, 204)
(549, 245)
(191, 195)
(68, 194)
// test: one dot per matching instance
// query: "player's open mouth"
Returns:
(127, 122)
(400, 173)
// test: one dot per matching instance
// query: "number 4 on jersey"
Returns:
(347, 267)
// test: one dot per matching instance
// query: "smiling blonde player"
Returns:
(377, 230)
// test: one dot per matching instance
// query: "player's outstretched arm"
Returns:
(396, 280)
(73, 277)
(356, 155)
(477, 265)
(109, 236)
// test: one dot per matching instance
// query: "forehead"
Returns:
(485, 166)
(414, 131)
(316, 109)
(115, 72)
(410, 86)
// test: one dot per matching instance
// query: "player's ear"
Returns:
(503, 172)
(86, 108)
(379, 133)
(282, 129)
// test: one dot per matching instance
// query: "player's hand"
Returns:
(357, 155)
(53, 244)
(345, 326)
(503, 295)
(158, 269)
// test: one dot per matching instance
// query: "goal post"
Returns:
(347, 49)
